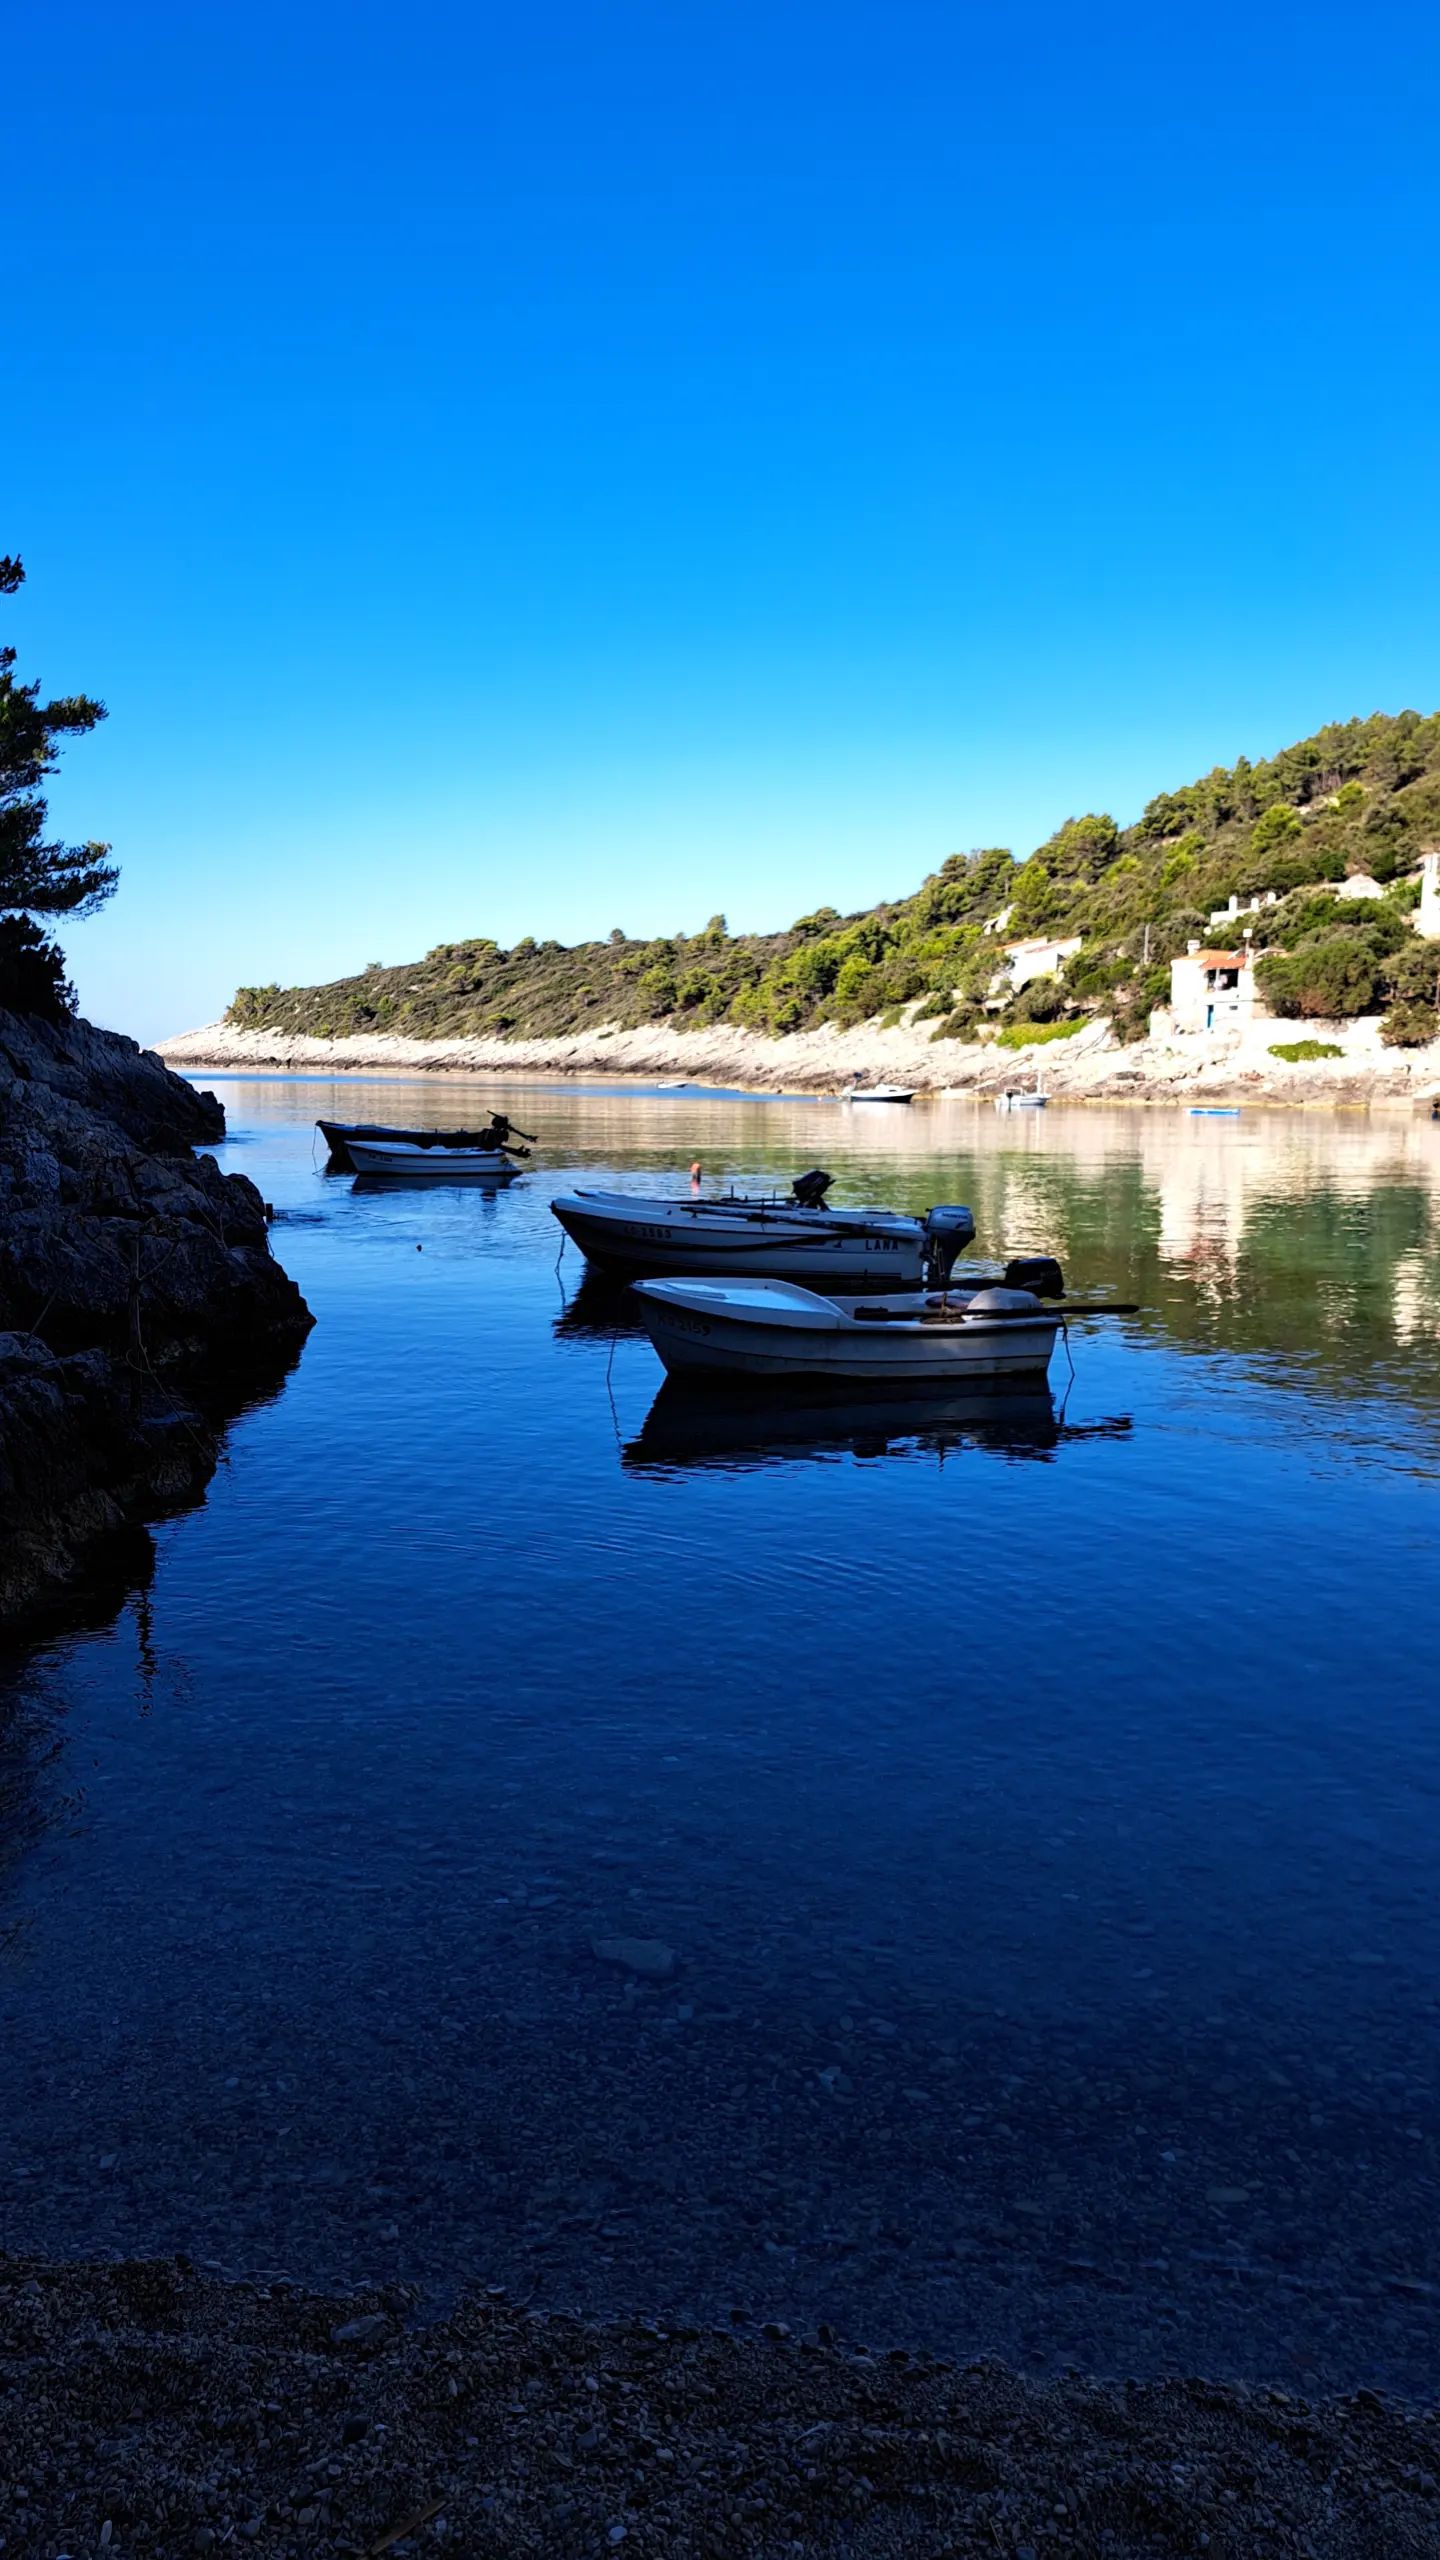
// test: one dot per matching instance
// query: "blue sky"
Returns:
(535, 470)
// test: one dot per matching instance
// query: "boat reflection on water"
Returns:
(491, 1185)
(601, 1307)
(695, 1425)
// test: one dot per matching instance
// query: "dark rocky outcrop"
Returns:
(140, 1304)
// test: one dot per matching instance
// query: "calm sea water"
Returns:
(1043, 1805)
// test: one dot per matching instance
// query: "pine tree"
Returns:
(39, 877)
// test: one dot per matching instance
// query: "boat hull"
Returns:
(675, 1239)
(440, 1164)
(701, 1334)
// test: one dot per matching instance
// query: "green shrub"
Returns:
(253, 1008)
(1415, 971)
(1294, 1051)
(1091, 974)
(1334, 976)
(856, 989)
(1082, 848)
(1033, 901)
(1277, 826)
(1042, 1000)
(1181, 858)
(1410, 1024)
(1024, 1035)
(964, 1023)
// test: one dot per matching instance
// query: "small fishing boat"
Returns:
(772, 1328)
(799, 1237)
(440, 1164)
(342, 1137)
(1017, 1097)
(1214, 1111)
(878, 1093)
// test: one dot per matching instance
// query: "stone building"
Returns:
(1043, 955)
(1214, 990)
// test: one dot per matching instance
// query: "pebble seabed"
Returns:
(147, 2407)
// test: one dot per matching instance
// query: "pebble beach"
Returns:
(150, 2408)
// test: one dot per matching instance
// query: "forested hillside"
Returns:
(1360, 796)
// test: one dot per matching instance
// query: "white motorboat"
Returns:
(1022, 1097)
(442, 1163)
(771, 1328)
(798, 1238)
(878, 1093)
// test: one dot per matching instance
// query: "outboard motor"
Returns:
(1038, 1272)
(808, 1189)
(947, 1233)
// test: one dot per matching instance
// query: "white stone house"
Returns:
(1359, 885)
(1041, 956)
(1236, 906)
(1214, 990)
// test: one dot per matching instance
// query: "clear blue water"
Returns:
(1043, 1807)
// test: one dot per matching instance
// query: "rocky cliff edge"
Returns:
(140, 1304)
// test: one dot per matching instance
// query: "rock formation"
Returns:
(140, 1304)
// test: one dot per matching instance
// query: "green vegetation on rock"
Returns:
(1361, 796)
(1295, 1052)
(1024, 1035)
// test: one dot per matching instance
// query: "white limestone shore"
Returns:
(1091, 1066)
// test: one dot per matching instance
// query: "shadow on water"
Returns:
(380, 1183)
(119, 1575)
(694, 1426)
(598, 1309)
